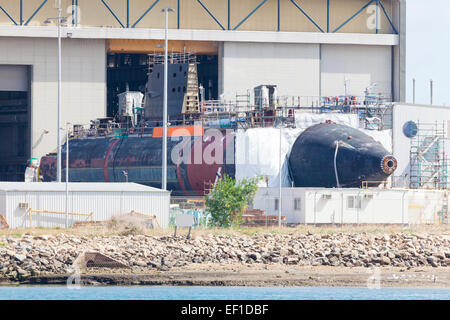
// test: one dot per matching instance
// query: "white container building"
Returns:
(104, 200)
(354, 206)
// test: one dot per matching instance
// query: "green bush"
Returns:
(229, 199)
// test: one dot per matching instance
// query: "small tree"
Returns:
(228, 200)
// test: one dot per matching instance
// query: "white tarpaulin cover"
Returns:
(383, 136)
(258, 154)
(128, 102)
(304, 120)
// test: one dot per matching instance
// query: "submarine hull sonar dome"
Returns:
(190, 162)
(358, 156)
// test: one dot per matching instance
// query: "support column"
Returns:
(399, 54)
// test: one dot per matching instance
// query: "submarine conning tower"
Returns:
(329, 154)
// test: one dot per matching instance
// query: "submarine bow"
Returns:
(329, 154)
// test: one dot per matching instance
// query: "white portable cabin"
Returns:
(353, 206)
(103, 200)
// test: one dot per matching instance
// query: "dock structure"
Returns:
(308, 49)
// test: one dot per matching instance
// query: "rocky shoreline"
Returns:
(29, 257)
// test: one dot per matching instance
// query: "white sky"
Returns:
(428, 50)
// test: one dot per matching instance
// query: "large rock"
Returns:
(20, 257)
(385, 260)
(432, 261)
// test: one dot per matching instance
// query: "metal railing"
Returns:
(31, 211)
(147, 216)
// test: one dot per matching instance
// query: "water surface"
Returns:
(218, 293)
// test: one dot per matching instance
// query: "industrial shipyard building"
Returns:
(307, 48)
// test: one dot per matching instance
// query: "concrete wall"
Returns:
(83, 83)
(360, 65)
(294, 68)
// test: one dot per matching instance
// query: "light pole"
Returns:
(59, 20)
(431, 91)
(67, 175)
(166, 58)
(280, 180)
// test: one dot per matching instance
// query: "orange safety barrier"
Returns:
(179, 131)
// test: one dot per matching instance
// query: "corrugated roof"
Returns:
(77, 186)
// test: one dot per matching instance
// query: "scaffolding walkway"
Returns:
(428, 164)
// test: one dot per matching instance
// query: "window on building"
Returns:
(277, 204)
(297, 204)
(353, 202)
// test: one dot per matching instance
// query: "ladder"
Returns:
(191, 99)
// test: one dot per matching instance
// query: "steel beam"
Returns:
(73, 12)
(387, 16)
(306, 15)
(178, 14)
(328, 15)
(211, 14)
(377, 17)
(36, 11)
(229, 14)
(128, 13)
(8, 15)
(250, 14)
(279, 16)
(76, 12)
(21, 12)
(112, 12)
(145, 13)
(353, 16)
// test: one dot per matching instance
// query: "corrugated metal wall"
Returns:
(104, 205)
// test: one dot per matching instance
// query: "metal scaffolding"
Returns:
(428, 165)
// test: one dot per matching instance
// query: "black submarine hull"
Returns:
(331, 155)
(139, 159)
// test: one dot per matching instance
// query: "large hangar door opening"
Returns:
(128, 66)
(124, 72)
(207, 68)
(14, 121)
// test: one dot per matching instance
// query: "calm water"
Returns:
(214, 293)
